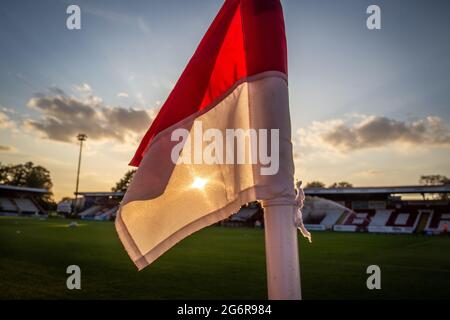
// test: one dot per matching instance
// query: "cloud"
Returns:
(5, 121)
(358, 132)
(63, 117)
(376, 131)
(122, 95)
(6, 148)
(83, 88)
(7, 110)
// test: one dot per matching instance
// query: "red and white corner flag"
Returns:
(193, 170)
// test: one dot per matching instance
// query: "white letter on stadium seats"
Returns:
(374, 280)
(74, 280)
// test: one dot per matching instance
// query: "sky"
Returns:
(371, 107)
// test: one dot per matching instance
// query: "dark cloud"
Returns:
(379, 131)
(63, 117)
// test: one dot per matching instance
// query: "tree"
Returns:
(122, 184)
(433, 180)
(342, 184)
(31, 176)
(315, 184)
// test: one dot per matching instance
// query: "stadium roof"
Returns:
(22, 189)
(325, 191)
(102, 194)
(380, 190)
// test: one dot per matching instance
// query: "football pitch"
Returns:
(215, 263)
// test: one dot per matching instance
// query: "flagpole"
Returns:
(283, 271)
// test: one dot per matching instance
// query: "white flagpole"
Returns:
(283, 270)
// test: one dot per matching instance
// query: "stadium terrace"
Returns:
(400, 209)
(20, 201)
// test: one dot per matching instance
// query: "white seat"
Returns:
(402, 218)
(331, 218)
(380, 218)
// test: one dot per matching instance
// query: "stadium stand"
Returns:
(106, 214)
(64, 207)
(384, 221)
(398, 222)
(382, 209)
(356, 221)
(367, 209)
(321, 214)
(326, 222)
(26, 206)
(100, 205)
(20, 200)
(244, 214)
(90, 212)
(248, 216)
(7, 207)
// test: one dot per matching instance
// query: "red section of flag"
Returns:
(247, 37)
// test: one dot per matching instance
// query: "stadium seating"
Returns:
(380, 218)
(323, 222)
(436, 221)
(349, 213)
(331, 219)
(360, 219)
(105, 214)
(321, 214)
(90, 212)
(402, 218)
(7, 206)
(398, 221)
(26, 206)
(244, 214)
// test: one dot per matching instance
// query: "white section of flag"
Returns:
(167, 202)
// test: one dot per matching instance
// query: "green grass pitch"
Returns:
(215, 263)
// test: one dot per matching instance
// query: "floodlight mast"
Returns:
(81, 137)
